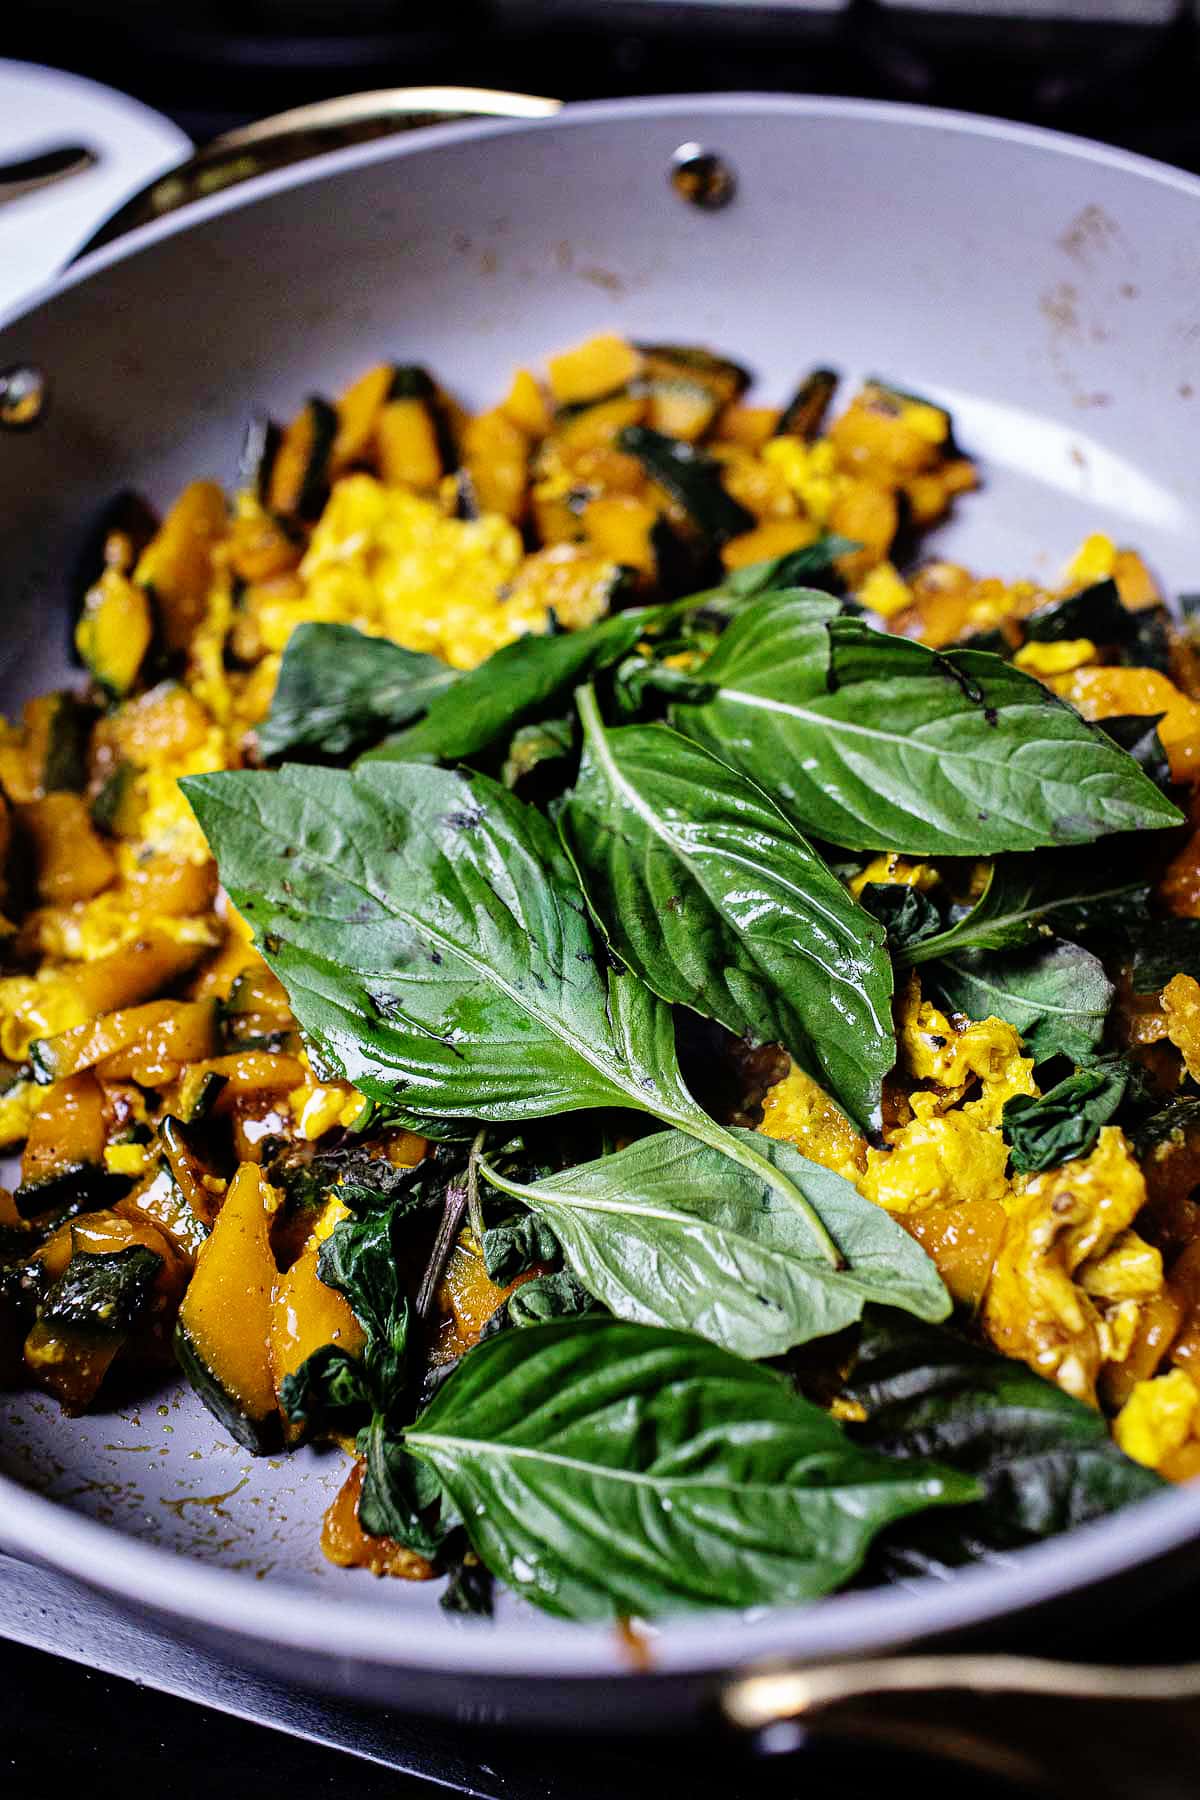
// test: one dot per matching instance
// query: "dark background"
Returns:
(213, 64)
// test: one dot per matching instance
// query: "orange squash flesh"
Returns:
(225, 1319)
(305, 1315)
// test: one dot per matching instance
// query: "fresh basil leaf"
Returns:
(604, 1470)
(515, 1245)
(1045, 1461)
(339, 689)
(362, 1178)
(468, 1589)
(108, 1295)
(692, 478)
(361, 1258)
(435, 948)
(1022, 893)
(875, 742)
(519, 684)
(1138, 735)
(556, 1296)
(668, 1232)
(1064, 1123)
(908, 916)
(1056, 995)
(1164, 948)
(715, 900)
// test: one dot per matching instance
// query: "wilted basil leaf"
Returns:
(1045, 1461)
(907, 915)
(1056, 994)
(1065, 1123)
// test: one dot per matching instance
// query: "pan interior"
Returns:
(1046, 292)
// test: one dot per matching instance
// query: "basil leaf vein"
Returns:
(668, 1232)
(716, 902)
(606, 1469)
(435, 947)
(875, 742)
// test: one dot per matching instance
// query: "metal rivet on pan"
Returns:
(702, 177)
(23, 394)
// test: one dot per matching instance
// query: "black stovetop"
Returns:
(210, 65)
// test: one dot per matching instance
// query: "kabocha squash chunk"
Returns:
(591, 370)
(71, 862)
(300, 472)
(357, 412)
(306, 1314)
(67, 1131)
(406, 446)
(526, 405)
(496, 456)
(177, 563)
(121, 1277)
(115, 631)
(225, 1320)
(146, 1044)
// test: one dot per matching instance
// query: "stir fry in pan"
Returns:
(554, 949)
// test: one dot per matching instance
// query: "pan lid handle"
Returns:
(307, 131)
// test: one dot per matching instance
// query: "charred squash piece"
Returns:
(222, 1340)
(119, 1275)
(300, 472)
(805, 412)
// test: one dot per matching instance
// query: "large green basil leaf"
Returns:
(339, 689)
(1056, 995)
(668, 1232)
(605, 1470)
(1045, 1461)
(436, 950)
(712, 898)
(521, 682)
(876, 742)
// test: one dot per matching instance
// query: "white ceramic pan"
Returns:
(1047, 290)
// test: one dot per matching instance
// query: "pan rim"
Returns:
(841, 1625)
(584, 112)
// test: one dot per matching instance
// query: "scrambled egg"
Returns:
(392, 563)
(1065, 1289)
(1159, 1418)
(936, 1160)
(896, 870)
(800, 1112)
(1068, 1274)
